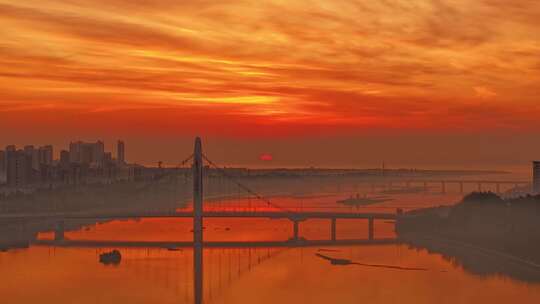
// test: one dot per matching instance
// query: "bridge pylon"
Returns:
(198, 221)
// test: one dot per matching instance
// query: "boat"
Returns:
(113, 257)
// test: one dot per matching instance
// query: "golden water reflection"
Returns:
(48, 274)
(248, 275)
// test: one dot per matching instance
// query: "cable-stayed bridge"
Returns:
(258, 206)
(254, 205)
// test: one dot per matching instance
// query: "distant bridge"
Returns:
(442, 184)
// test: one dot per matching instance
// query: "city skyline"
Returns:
(54, 152)
(442, 152)
(35, 168)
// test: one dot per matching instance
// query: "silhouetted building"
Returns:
(10, 148)
(86, 153)
(46, 173)
(2, 161)
(46, 155)
(64, 157)
(536, 177)
(19, 168)
(34, 156)
(2, 166)
(83, 163)
(107, 157)
(120, 152)
(29, 150)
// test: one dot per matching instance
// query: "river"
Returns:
(389, 273)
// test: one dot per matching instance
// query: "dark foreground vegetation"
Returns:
(484, 233)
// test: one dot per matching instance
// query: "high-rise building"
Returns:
(64, 157)
(107, 157)
(120, 152)
(19, 168)
(99, 151)
(86, 153)
(75, 152)
(2, 161)
(10, 148)
(536, 177)
(46, 155)
(2, 166)
(33, 154)
(28, 150)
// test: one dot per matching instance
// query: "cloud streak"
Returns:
(346, 65)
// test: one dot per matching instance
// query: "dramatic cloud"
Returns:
(272, 67)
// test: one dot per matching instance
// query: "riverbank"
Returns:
(479, 232)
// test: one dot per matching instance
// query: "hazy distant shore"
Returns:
(172, 189)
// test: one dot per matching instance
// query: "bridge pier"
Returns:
(371, 228)
(461, 187)
(333, 230)
(59, 231)
(296, 230)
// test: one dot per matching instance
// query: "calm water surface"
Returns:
(46, 274)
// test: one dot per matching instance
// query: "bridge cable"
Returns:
(181, 164)
(243, 187)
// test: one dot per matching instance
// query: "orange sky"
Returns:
(288, 72)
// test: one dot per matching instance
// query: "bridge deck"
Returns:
(454, 181)
(208, 214)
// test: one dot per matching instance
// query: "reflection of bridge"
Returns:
(219, 244)
(225, 262)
